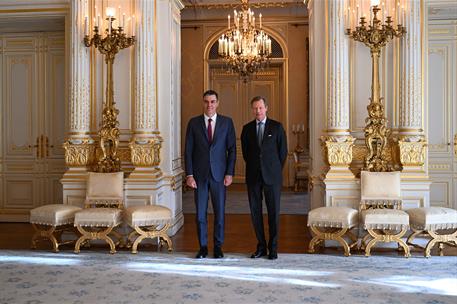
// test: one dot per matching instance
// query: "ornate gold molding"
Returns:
(80, 153)
(146, 153)
(412, 152)
(338, 149)
(238, 5)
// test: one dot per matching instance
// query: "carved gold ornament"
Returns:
(146, 153)
(412, 153)
(338, 150)
(79, 153)
(376, 36)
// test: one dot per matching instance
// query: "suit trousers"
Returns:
(218, 194)
(272, 194)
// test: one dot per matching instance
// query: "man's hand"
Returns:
(228, 179)
(190, 181)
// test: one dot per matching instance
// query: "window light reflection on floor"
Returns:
(278, 276)
(442, 286)
(44, 260)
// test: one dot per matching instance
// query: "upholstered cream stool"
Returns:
(152, 221)
(102, 209)
(333, 223)
(50, 221)
(426, 221)
(385, 225)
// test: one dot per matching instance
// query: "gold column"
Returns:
(337, 144)
(146, 141)
(79, 147)
(411, 142)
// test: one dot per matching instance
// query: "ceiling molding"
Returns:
(263, 4)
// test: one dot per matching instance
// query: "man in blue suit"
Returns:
(210, 154)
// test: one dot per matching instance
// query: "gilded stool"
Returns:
(151, 221)
(102, 209)
(427, 222)
(333, 223)
(50, 221)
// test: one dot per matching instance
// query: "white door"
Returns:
(33, 122)
(442, 118)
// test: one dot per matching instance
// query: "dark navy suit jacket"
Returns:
(265, 161)
(203, 158)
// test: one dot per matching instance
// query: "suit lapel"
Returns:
(219, 122)
(203, 127)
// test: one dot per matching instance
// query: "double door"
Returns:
(32, 122)
(235, 95)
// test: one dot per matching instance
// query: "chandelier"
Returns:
(244, 47)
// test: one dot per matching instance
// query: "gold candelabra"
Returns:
(109, 44)
(376, 35)
(297, 130)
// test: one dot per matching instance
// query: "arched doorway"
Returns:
(235, 93)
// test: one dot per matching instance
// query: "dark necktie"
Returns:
(260, 133)
(210, 131)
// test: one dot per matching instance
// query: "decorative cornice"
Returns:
(238, 5)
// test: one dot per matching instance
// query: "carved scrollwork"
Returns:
(146, 153)
(412, 152)
(79, 153)
(338, 149)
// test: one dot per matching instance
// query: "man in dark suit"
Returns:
(210, 154)
(264, 146)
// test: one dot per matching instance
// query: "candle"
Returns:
(109, 25)
(260, 17)
(228, 21)
(133, 25)
(404, 16)
(95, 10)
(119, 14)
(110, 11)
(86, 26)
(98, 21)
(357, 20)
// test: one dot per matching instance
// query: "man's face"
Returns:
(210, 104)
(259, 109)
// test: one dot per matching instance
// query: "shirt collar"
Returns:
(213, 117)
(264, 121)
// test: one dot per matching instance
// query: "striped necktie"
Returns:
(260, 133)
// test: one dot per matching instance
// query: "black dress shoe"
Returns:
(273, 255)
(258, 254)
(202, 253)
(218, 254)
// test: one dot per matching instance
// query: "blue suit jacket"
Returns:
(217, 158)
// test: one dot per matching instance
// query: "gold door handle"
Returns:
(38, 146)
(47, 145)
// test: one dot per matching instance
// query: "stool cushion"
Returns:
(147, 215)
(393, 219)
(432, 218)
(335, 217)
(98, 217)
(53, 214)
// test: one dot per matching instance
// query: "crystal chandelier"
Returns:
(244, 48)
